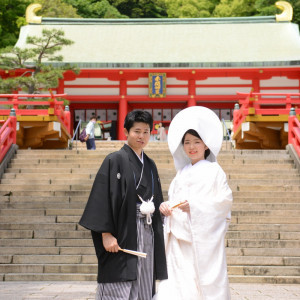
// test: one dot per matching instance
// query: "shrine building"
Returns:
(165, 65)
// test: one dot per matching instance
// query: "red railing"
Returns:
(55, 107)
(8, 135)
(294, 133)
(264, 104)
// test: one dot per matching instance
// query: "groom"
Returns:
(112, 214)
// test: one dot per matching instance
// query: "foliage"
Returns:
(241, 8)
(95, 9)
(12, 14)
(235, 8)
(141, 8)
(39, 76)
(56, 9)
(189, 8)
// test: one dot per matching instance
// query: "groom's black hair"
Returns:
(138, 116)
(196, 134)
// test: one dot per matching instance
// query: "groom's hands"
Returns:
(110, 243)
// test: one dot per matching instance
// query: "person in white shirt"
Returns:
(90, 134)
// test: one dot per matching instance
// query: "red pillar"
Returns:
(256, 89)
(192, 93)
(123, 109)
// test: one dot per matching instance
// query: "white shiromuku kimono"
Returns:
(194, 241)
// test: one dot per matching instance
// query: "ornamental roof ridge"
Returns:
(157, 21)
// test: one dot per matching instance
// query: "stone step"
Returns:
(241, 198)
(43, 259)
(262, 261)
(159, 157)
(47, 200)
(247, 270)
(37, 193)
(292, 196)
(42, 203)
(84, 250)
(47, 259)
(265, 206)
(278, 228)
(62, 234)
(162, 168)
(264, 279)
(93, 277)
(289, 174)
(268, 220)
(248, 243)
(49, 277)
(267, 213)
(272, 188)
(243, 187)
(241, 176)
(166, 180)
(273, 252)
(87, 163)
(38, 226)
(266, 197)
(264, 270)
(28, 219)
(27, 243)
(78, 212)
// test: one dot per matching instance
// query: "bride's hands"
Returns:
(165, 209)
(185, 206)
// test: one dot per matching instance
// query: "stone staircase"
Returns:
(43, 194)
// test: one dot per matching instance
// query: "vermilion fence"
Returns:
(54, 107)
(264, 104)
(294, 133)
(8, 135)
(270, 104)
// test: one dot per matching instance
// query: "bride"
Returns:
(197, 214)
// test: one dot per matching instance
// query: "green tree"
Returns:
(12, 14)
(243, 8)
(141, 8)
(235, 8)
(56, 9)
(95, 9)
(267, 8)
(190, 8)
(38, 75)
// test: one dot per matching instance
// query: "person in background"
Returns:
(90, 134)
(161, 133)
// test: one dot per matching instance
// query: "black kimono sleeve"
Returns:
(100, 211)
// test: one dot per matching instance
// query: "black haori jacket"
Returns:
(111, 207)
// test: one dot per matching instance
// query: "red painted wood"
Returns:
(8, 135)
(294, 133)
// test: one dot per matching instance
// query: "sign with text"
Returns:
(157, 85)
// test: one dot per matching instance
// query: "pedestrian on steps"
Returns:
(90, 134)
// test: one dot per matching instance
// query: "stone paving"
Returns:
(86, 291)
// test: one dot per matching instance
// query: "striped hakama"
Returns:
(140, 289)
